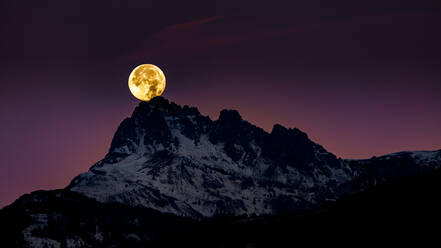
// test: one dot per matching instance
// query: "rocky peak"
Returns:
(279, 131)
(290, 147)
(174, 159)
(156, 123)
(229, 117)
(156, 104)
(239, 138)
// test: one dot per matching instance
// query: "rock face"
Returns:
(170, 159)
(175, 160)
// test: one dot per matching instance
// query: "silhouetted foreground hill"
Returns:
(394, 213)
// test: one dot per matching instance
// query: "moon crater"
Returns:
(146, 81)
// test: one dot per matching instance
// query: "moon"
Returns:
(146, 81)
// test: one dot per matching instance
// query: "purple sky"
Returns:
(362, 78)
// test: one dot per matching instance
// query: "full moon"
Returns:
(146, 81)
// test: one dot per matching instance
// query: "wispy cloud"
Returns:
(187, 38)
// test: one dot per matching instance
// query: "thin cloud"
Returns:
(185, 38)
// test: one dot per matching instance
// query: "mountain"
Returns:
(173, 177)
(175, 160)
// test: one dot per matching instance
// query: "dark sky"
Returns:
(362, 78)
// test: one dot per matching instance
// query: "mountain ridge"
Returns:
(171, 172)
(175, 160)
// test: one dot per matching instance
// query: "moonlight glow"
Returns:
(146, 81)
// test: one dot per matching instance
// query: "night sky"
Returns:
(362, 78)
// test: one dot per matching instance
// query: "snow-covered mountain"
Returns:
(175, 160)
(170, 159)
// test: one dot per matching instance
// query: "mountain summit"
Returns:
(175, 160)
(170, 172)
